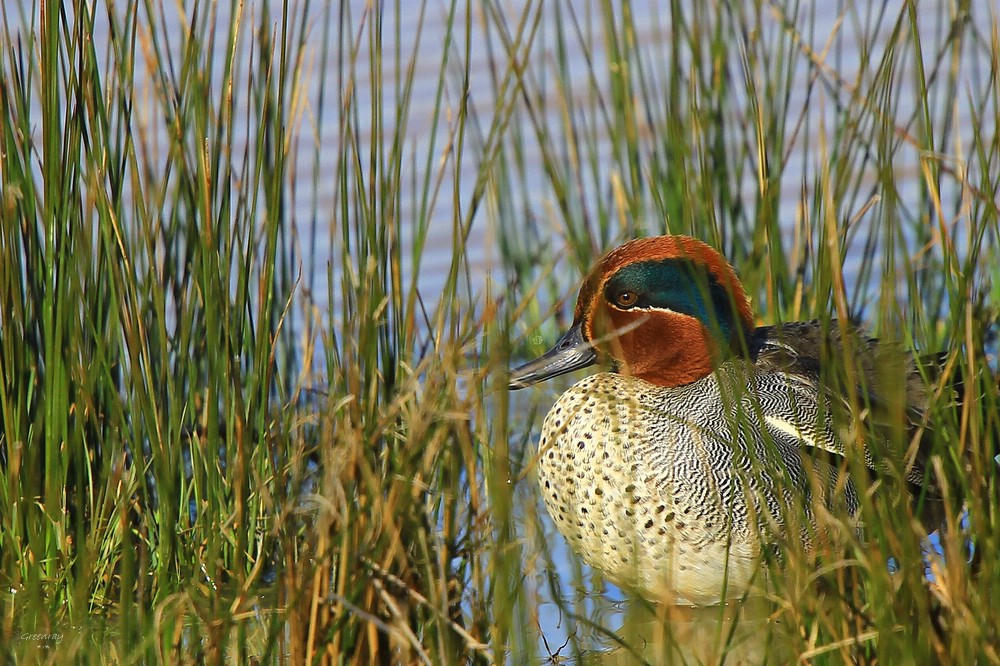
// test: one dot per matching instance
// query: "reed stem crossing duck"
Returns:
(671, 473)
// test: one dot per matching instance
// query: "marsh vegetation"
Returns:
(264, 266)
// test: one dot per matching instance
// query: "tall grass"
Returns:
(262, 269)
(717, 115)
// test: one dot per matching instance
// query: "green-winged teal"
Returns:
(670, 473)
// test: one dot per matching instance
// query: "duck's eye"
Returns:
(626, 299)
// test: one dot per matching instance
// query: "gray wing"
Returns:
(880, 390)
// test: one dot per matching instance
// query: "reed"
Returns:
(263, 267)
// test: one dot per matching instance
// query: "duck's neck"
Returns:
(674, 355)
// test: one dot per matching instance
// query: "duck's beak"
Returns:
(571, 353)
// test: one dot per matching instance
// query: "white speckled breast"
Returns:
(651, 484)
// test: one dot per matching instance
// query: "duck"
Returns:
(708, 439)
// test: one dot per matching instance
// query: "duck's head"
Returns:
(666, 309)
